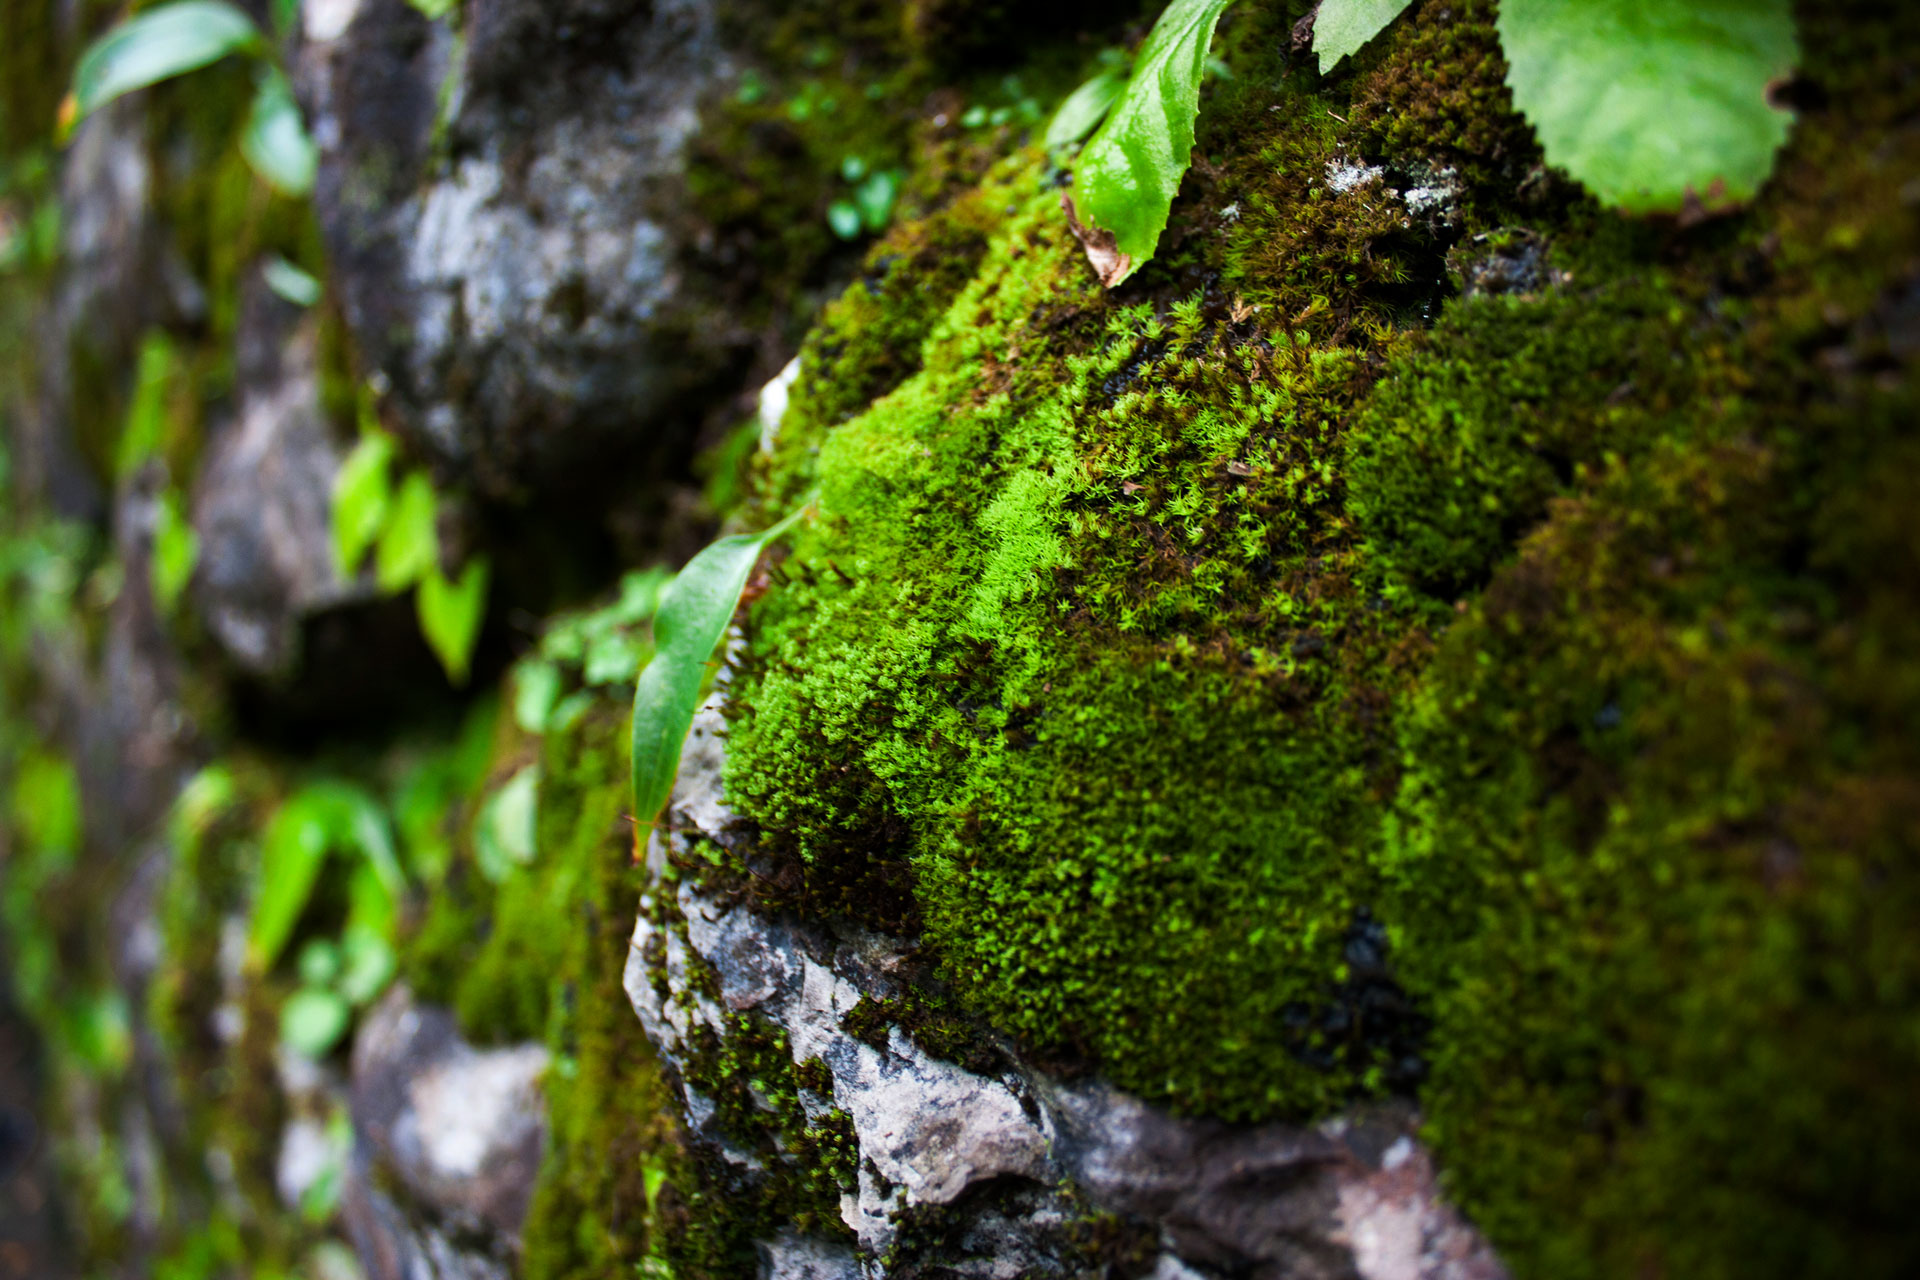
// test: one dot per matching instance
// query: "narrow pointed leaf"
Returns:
(694, 611)
(291, 854)
(156, 45)
(362, 492)
(410, 541)
(451, 613)
(1084, 109)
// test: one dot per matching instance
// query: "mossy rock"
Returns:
(1334, 665)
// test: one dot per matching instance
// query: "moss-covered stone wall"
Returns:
(1426, 634)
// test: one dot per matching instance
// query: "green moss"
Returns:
(1438, 95)
(789, 1155)
(539, 956)
(1272, 701)
(1505, 403)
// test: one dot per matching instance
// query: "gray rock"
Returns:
(794, 1257)
(459, 1129)
(502, 218)
(262, 506)
(394, 1245)
(1354, 1198)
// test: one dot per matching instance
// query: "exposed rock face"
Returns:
(457, 1128)
(499, 215)
(262, 503)
(1354, 1197)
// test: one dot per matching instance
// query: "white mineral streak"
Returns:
(773, 403)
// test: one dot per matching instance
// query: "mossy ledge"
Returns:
(1461, 652)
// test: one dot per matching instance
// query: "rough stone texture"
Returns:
(501, 230)
(458, 1128)
(262, 505)
(1353, 1198)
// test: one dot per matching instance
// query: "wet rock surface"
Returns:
(500, 211)
(262, 504)
(1003, 1161)
(457, 1129)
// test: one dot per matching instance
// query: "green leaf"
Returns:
(536, 687)
(291, 854)
(275, 142)
(156, 45)
(207, 795)
(372, 906)
(410, 543)
(321, 816)
(1647, 102)
(694, 612)
(312, 1021)
(504, 836)
(319, 963)
(844, 217)
(368, 965)
(290, 282)
(362, 492)
(435, 8)
(1342, 26)
(175, 549)
(355, 820)
(147, 413)
(1084, 108)
(875, 199)
(451, 613)
(1128, 173)
(46, 807)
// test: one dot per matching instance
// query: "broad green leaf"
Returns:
(362, 493)
(290, 282)
(1084, 109)
(451, 613)
(435, 8)
(312, 1021)
(147, 413)
(156, 45)
(175, 550)
(410, 543)
(694, 612)
(1128, 173)
(291, 854)
(275, 142)
(1342, 26)
(504, 836)
(1647, 101)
